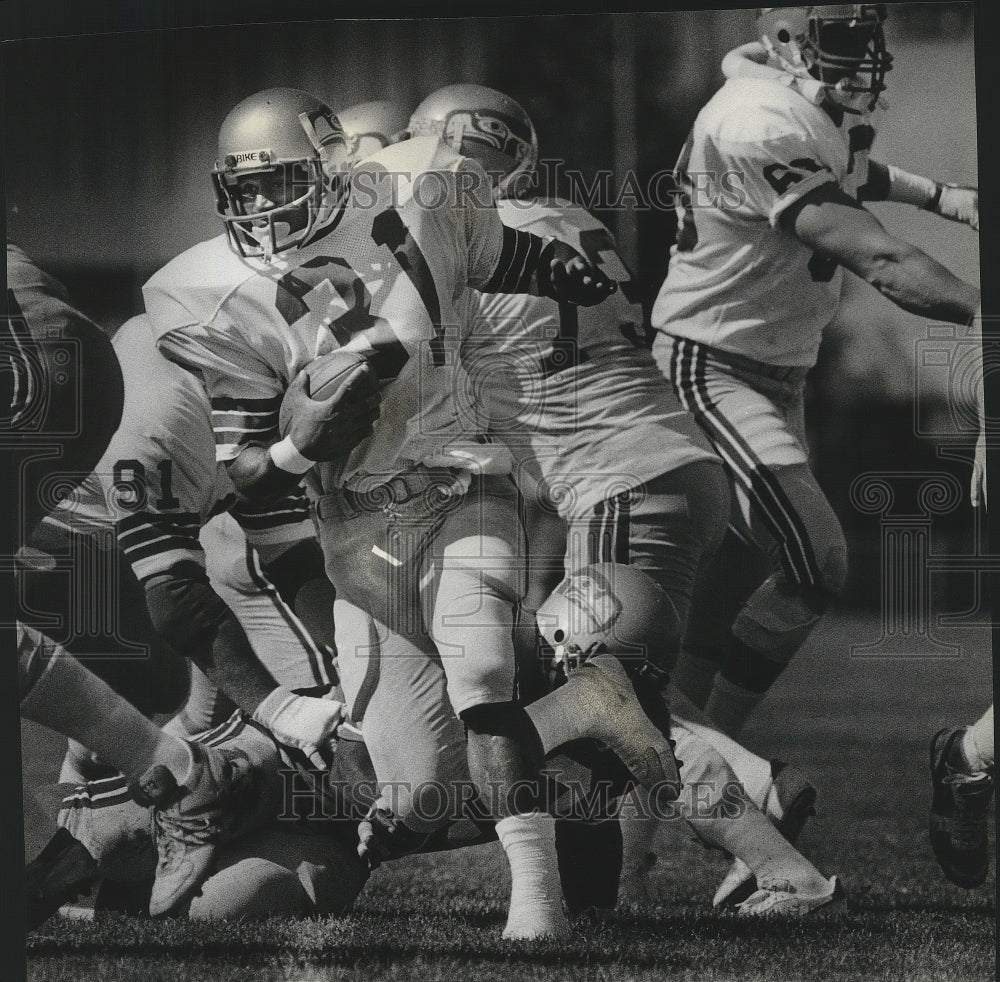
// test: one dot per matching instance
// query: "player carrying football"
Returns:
(372, 265)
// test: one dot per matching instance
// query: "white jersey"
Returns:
(158, 482)
(737, 281)
(573, 391)
(380, 278)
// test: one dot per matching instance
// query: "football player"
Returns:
(159, 489)
(67, 401)
(314, 260)
(372, 126)
(963, 761)
(773, 178)
(302, 867)
(588, 417)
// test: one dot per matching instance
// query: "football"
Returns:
(328, 374)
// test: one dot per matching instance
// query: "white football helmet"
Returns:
(840, 45)
(285, 150)
(607, 607)
(486, 125)
(370, 126)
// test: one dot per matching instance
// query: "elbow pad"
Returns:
(185, 609)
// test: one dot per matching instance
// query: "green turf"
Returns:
(860, 726)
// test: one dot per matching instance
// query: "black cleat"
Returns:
(960, 811)
(60, 873)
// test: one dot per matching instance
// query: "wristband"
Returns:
(912, 189)
(286, 457)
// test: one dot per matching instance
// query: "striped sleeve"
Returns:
(284, 519)
(153, 542)
(517, 263)
(244, 390)
(239, 422)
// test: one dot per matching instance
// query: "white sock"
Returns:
(71, 700)
(977, 744)
(753, 772)
(729, 706)
(536, 908)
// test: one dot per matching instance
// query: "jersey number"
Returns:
(390, 354)
(781, 178)
(131, 488)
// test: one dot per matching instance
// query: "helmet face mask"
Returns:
(281, 157)
(487, 126)
(840, 45)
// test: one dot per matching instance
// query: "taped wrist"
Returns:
(912, 189)
(286, 457)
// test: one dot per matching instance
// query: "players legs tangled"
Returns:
(416, 513)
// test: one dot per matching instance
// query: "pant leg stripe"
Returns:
(260, 580)
(758, 480)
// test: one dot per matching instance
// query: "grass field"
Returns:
(860, 726)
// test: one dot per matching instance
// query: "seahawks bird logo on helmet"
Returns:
(281, 152)
(486, 125)
(607, 607)
(840, 45)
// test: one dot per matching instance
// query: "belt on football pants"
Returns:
(432, 483)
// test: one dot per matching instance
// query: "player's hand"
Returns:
(573, 279)
(381, 836)
(977, 492)
(375, 834)
(959, 203)
(332, 428)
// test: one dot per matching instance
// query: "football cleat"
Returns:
(960, 811)
(781, 898)
(789, 805)
(191, 820)
(60, 873)
(611, 713)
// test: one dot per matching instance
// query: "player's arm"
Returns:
(958, 203)
(320, 430)
(506, 260)
(830, 222)
(246, 395)
(195, 620)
